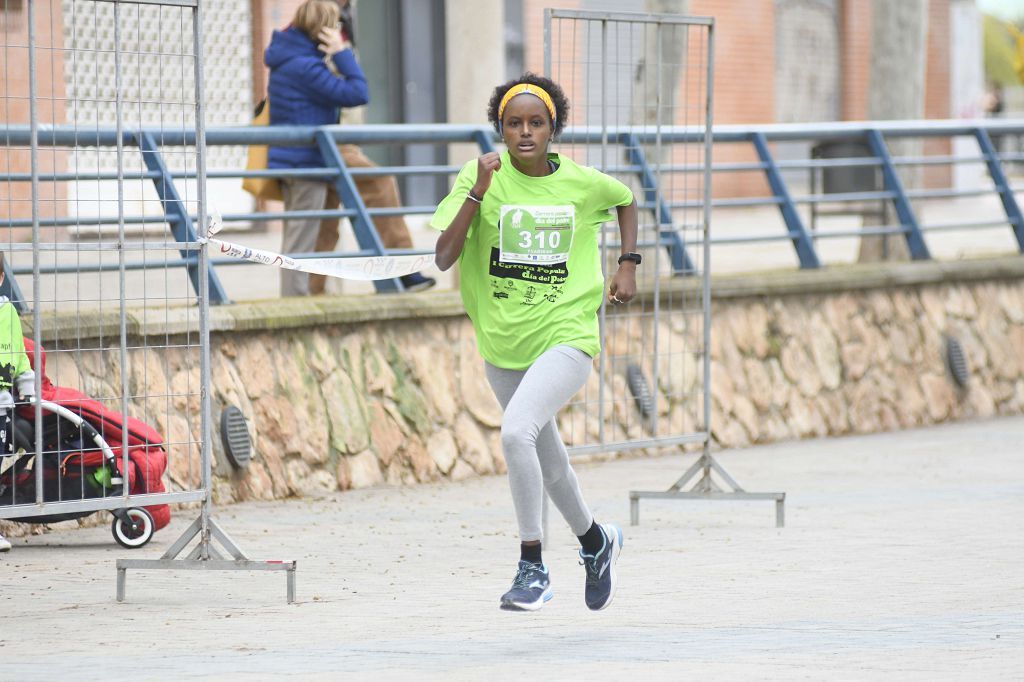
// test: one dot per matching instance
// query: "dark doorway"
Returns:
(401, 47)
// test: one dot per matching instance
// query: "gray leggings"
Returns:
(534, 452)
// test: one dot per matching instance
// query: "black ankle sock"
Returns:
(593, 540)
(530, 553)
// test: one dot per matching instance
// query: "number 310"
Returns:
(539, 240)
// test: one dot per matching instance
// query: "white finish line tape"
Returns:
(364, 269)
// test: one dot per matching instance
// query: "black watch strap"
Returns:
(632, 257)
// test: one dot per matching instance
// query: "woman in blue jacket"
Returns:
(313, 74)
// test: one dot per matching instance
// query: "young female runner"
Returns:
(523, 225)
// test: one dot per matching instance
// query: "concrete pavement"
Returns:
(901, 559)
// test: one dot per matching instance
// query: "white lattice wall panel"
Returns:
(157, 71)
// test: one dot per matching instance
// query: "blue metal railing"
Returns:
(873, 135)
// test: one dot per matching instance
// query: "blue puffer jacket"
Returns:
(303, 91)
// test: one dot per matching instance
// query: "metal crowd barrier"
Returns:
(144, 388)
(631, 141)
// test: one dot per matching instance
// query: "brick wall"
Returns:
(855, 60)
(15, 197)
(533, 30)
(744, 81)
(938, 88)
(267, 16)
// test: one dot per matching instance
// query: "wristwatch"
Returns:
(632, 257)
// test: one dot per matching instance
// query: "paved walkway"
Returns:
(902, 559)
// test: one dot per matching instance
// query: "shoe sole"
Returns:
(617, 542)
(528, 606)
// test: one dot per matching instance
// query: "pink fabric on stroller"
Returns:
(145, 444)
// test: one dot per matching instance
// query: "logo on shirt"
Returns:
(536, 234)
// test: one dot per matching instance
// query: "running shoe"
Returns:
(417, 282)
(530, 589)
(601, 569)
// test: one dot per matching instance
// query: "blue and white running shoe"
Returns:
(601, 569)
(530, 589)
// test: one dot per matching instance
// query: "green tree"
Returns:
(999, 52)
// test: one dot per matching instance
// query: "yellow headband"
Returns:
(528, 89)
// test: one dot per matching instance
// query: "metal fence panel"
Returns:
(632, 78)
(125, 423)
(624, 75)
(92, 329)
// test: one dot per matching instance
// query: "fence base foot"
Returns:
(122, 574)
(205, 557)
(706, 488)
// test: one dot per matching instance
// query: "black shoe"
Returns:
(530, 590)
(601, 569)
(417, 282)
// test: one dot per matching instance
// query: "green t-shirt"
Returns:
(530, 271)
(13, 360)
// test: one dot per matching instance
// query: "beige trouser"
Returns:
(302, 235)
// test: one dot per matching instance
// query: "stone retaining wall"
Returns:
(345, 393)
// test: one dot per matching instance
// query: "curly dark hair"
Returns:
(551, 87)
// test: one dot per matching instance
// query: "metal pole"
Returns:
(547, 42)
(33, 96)
(904, 209)
(658, 151)
(545, 509)
(603, 317)
(1002, 184)
(204, 288)
(708, 119)
(121, 238)
(802, 241)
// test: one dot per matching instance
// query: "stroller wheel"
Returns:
(133, 528)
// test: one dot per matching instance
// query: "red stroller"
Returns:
(82, 448)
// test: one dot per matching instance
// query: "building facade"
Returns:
(437, 60)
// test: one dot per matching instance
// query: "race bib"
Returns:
(536, 234)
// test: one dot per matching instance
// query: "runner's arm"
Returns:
(623, 285)
(450, 243)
